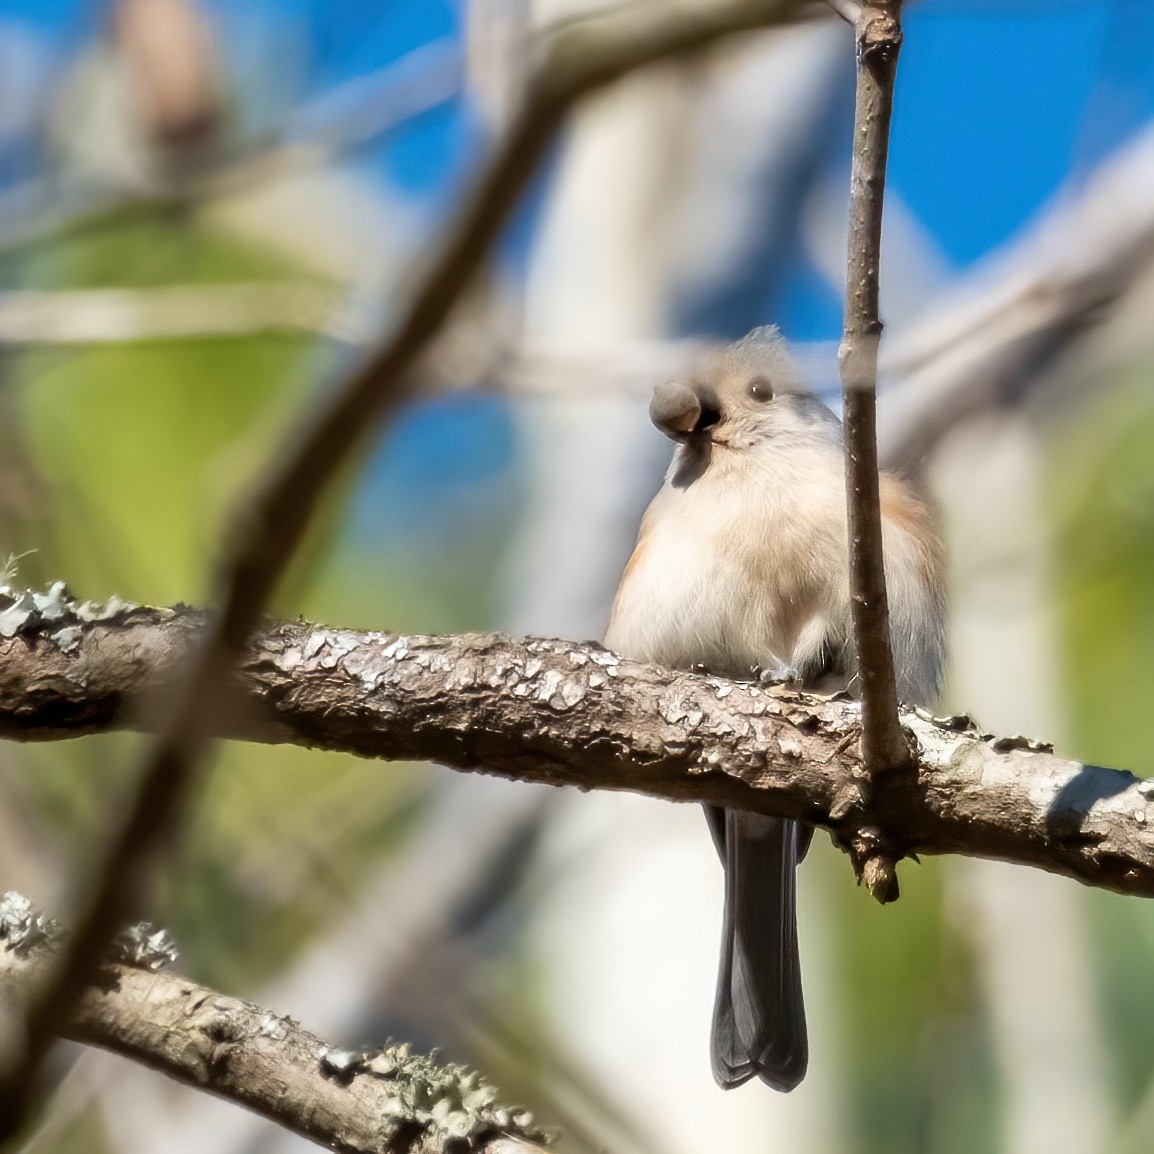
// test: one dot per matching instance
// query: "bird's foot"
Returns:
(777, 674)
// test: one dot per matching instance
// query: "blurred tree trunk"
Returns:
(673, 211)
(1028, 930)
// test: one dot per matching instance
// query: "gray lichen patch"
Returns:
(957, 742)
(56, 614)
(562, 686)
(144, 947)
(680, 709)
(22, 928)
(452, 1104)
(941, 741)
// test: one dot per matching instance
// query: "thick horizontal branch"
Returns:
(566, 713)
(382, 1102)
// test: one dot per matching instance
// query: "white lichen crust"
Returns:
(378, 1102)
(454, 1107)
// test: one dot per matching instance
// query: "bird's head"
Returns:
(744, 395)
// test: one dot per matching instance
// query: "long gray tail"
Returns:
(759, 1018)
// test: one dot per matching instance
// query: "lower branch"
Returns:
(376, 1103)
(568, 713)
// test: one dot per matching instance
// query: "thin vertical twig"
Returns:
(884, 747)
(581, 60)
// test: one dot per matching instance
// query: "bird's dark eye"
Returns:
(760, 389)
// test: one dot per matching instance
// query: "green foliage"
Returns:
(917, 1059)
(143, 446)
(1104, 490)
(140, 451)
(1103, 486)
(139, 246)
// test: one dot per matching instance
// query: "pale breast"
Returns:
(729, 571)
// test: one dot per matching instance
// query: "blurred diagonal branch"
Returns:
(984, 344)
(351, 115)
(565, 713)
(377, 1102)
(575, 63)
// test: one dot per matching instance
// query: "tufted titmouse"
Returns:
(741, 567)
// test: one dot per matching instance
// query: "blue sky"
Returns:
(997, 105)
(991, 111)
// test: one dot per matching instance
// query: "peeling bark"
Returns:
(568, 713)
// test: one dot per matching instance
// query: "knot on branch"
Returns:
(879, 33)
(875, 862)
(848, 800)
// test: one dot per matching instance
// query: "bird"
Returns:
(741, 568)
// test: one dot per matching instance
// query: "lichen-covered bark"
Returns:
(389, 1101)
(569, 713)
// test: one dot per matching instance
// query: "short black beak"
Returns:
(679, 411)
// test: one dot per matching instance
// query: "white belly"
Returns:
(710, 585)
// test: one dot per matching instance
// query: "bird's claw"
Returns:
(779, 674)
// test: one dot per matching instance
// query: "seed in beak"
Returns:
(708, 417)
(675, 410)
(679, 411)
